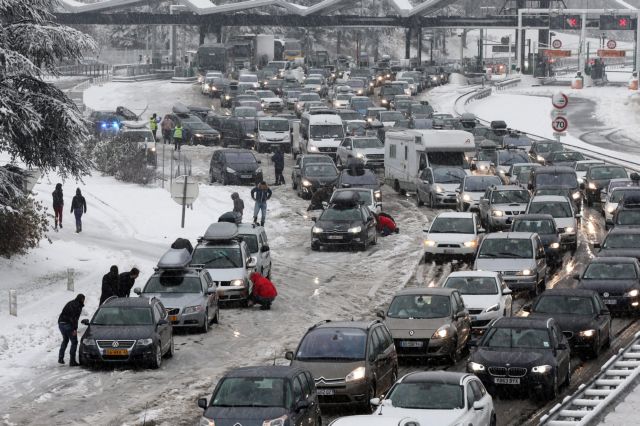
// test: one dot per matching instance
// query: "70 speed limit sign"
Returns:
(560, 124)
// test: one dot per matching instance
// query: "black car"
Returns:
(523, 353)
(313, 176)
(565, 158)
(345, 222)
(598, 177)
(581, 315)
(419, 111)
(541, 150)
(620, 242)
(194, 130)
(269, 395)
(228, 95)
(302, 161)
(626, 215)
(388, 93)
(127, 330)
(235, 166)
(104, 123)
(545, 227)
(616, 279)
(215, 120)
(239, 132)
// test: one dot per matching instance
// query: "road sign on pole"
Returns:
(184, 190)
(611, 44)
(560, 124)
(559, 100)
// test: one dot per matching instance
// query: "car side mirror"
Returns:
(506, 291)
(252, 262)
(481, 230)
(137, 291)
(325, 204)
(84, 322)
(259, 161)
(265, 249)
(374, 401)
(211, 290)
(582, 185)
(478, 405)
(578, 216)
(458, 190)
(296, 167)
(163, 322)
(575, 276)
(202, 403)
(348, 148)
(472, 166)
(380, 314)
(507, 174)
(527, 308)
(289, 355)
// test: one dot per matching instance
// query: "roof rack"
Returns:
(319, 324)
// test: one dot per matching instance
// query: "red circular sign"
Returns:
(559, 100)
(611, 44)
(556, 44)
(560, 124)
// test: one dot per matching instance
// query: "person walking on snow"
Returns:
(260, 194)
(109, 284)
(68, 325)
(58, 205)
(167, 129)
(78, 208)
(278, 164)
(263, 292)
(126, 281)
(177, 137)
(238, 204)
(153, 125)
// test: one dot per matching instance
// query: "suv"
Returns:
(598, 177)
(506, 157)
(302, 161)
(620, 241)
(367, 149)
(234, 166)
(189, 294)
(452, 235)
(256, 239)
(313, 176)
(518, 256)
(127, 330)
(501, 204)
(563, 214)
(264, 395)
(428, 322)
(351, 361)
(227, 258)
(627, 214)
(541, 150)
(388, 93)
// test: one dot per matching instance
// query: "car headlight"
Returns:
(312, 148)
(251, 135)
(554, 245)
(144, 342)
(198, 135)
(153, 149)
(472, 243)
(493, 308)
(206, 422)
(540, 158)
(483, 167)
(355, 229)
(258, 170)
(357, 374)
(359, 155)
(371, 84)
(466, 197)
(384, 101)
(569, 230)
(317, 230)
(575, 195)
(592, 185)
(439, 189)
(89, 342)
(214, 88)
(379, 78)
(632, 293)
(280, 421)
(377, 195)
(441, 333)
(587, 333)
(502, 171)
(497, 213)
(230, 170)
(474, 366)
(525, 273)
(227, 97)
(237, 283)
(611, 209)
(542, 369)
(429, 243)
(306, 182)
(193, 309)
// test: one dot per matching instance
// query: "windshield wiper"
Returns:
(510, 255)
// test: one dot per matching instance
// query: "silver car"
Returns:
(256, 239)
(368, 149)
(472, 189)
(437, 186)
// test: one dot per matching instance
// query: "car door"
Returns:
(563, 356)
(480, 394)
(424, 184)
(370, 223)
(164, 330)
(374, 360)
(386, 358)
(604, 320)
(265, 252)
(307, 414)
(463, 321)
(344, 150)
(212, 299)
(541, 258)
(298, 415)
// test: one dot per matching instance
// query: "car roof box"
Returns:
(179, 108)
(221, 231)
(346, 199)
(175, 259)
(498, 124)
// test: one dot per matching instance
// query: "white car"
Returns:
(453, 235)
(368, 149)
(370, 198)
(269, 100)
(341, 100)
(583, 166)
(561, 208)
(485, 295)
(439, 398)
(370, 420)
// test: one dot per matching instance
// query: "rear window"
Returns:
(610, 271)
(506, 248)
(540, 227)
(565, 305)
(555, 209)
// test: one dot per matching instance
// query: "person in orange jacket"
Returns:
(263, 293)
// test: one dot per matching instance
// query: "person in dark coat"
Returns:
(78, 207)
(263, 292)
(323, 194)
(109, 284)
(126, 280)
(238, 204)
(260, 194)
(68, 325)
(278, 164)
(58, 205)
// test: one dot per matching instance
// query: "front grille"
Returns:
(449, 245)
(475, 311)
(329, 381)
(122, 344)
(517, 372)
(327, 149)
(513, 213)
(511, 372)
(375, 156)
(568, 334)
(498, 371)
(172, 311)
(512, 273)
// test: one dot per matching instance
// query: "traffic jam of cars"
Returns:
(507, 210)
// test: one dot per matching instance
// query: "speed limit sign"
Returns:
(611, 44)
(560, 124)
(556, 44)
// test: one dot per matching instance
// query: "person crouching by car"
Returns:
(386, 225)
(263, 292)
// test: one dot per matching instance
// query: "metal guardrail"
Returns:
(501, 85)
(589, 401)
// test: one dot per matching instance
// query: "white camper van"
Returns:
(408, 152)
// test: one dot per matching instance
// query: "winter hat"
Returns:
(78, 192)
(235, 196)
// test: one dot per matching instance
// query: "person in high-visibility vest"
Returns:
(177, 136)
(153, 125)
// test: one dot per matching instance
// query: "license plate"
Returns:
(116, 352)
(326, 391)
(610, 302)
(506, 381)
(335, 237)
(411, 344)
(245, 176)
(173, 318)
(448, 251)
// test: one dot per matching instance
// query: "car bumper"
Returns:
(581, 343)
(342, 393)
(516, 283)
(451, 252)
(243, 178)
(337, 239)
(529, 381)
(232, 294)
(136, 354)
(195, 319)
(423, 348)
(444, 199)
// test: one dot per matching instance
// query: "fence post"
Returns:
(70, 283)
(13, 302)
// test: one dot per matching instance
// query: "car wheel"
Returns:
(595, 351)
(607, 343)
(365, 245)
(223, 181)
(338, 162)
(536, 289)
(396, 186)
(567, 379)
(157, 357)
(315, 247)
(419, 201)
(211, 178)
(552, 392)
(318, 421)
(589, 201)
(294, 185)
(205, 324)
(172, 349)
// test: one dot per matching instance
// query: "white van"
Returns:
(408, 152)
(321, 133)
(273, 132)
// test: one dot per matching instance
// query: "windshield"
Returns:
(622, 241)
(250, 392)
(199, 126)
(480, 183)
(583, 167)
(217, 257)
(419, 307)
(420, 109)
(507, 158)
(367, 143)
(355, 83)
(507, 197)
(356, 129)
(522, 169)
(511, 141)
(171, 283)
(403, 104)
(303, 97)
(349, 115)
(452, 225)
(487, 155)
(448, 175)
(606, 173)
(239, 157)
(567, 156)
(522, 338)
(565, 305)
(360, 103)
(427, 396)
(245, 112)
(549, 147)
(473, 285)
(319, 131)
(343, 97)
(565, 180)
(320, 170)
(392, 90)
(265, 94)
(540, 227)
(315, 81)
(341, 344)
(610, 271)
(291, 94)
(248, 78)
(619, 194)
(122, 315)
(515, 248)
(628, 217)
(137, 136)
(391, 116)
(344, 215)
(273, 125)
(554, 208)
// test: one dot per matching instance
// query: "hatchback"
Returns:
(235, 166)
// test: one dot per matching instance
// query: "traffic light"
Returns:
(610, 22)
(565, 22)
